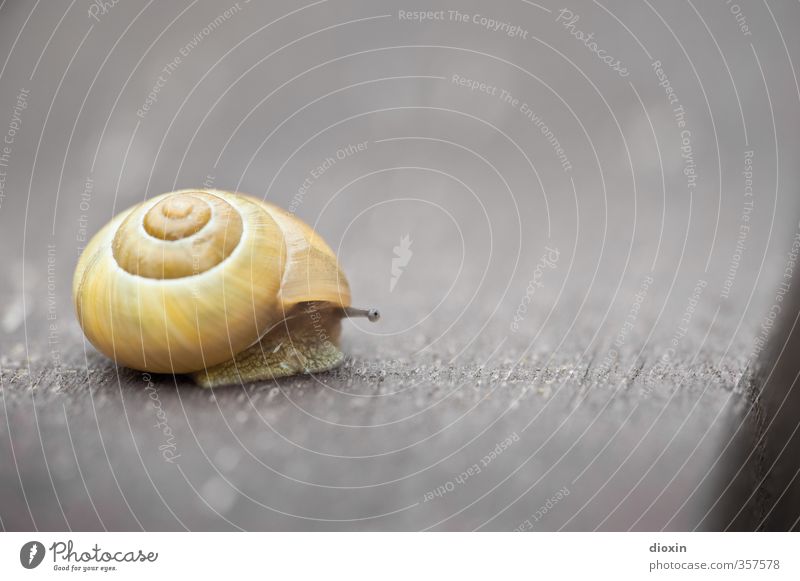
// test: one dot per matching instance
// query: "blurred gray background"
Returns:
(594, 260)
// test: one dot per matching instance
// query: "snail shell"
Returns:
(218, 284)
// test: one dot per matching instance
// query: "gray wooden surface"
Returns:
(363, 447)
(625, 397)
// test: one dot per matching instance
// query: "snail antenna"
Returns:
(371, 314)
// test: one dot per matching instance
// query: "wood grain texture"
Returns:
(381, 443)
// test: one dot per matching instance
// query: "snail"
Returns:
(219, 285)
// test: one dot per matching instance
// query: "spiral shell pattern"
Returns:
(187, 280)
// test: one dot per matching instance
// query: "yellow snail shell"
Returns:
(218, 284)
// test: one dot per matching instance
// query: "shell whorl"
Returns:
(181, 235)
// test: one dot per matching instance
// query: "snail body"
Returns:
(220, 285)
